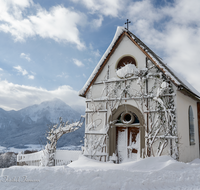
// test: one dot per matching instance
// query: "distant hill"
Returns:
(29, 125)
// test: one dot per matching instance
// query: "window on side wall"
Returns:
(191, 126)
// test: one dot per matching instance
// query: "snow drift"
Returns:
(150, 173)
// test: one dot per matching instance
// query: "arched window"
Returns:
(126, 67)
(191, 126)
(126, 60)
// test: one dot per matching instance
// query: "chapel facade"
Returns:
(137, 106)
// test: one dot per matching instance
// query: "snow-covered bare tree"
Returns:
(53, 135)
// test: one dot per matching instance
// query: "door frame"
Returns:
(112, 146)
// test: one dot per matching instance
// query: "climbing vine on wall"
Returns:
(154, 96)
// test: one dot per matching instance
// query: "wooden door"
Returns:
(121, 143)
(133, 142)
(128, 143)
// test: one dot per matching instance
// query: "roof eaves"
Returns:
(177, 81)
(188, 92)
(117, 38)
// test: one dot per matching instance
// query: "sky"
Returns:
(49, 48)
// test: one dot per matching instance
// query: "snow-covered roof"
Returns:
(120, 32)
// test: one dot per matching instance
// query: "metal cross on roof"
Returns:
(127, 22)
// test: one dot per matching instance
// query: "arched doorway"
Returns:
(126, 133)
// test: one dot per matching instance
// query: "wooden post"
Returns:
(106, 116)
(147, 104)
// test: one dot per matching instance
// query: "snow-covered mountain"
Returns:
(52, 110)
(29, 125)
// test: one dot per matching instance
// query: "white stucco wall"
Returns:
(126, 47)
(187, 152)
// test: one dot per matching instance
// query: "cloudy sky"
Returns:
(48, 48)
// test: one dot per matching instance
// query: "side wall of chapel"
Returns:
(187, 152)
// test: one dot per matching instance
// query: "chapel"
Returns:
(137, 106)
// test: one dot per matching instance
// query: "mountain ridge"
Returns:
(29, 125)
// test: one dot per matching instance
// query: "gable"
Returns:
(136, 48)
(125, 49)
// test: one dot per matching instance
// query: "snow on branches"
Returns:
(53, 135)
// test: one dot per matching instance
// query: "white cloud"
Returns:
(24, 72)
(33, 73)
(96, 23)
(14, 96)
(172, 31)
(1, 69)
(31, 77)
(63, 75)
(78, 63)
(105, 7)
(59, 23)
(25, 56)
(96, 53)
(20, 70)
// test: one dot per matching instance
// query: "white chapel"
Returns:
(137, 106)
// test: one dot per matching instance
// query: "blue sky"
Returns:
(49, 48)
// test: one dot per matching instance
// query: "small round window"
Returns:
(127, 118)
(124, 61)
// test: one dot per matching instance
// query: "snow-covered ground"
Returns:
(85, 174)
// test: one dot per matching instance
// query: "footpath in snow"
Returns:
(86, 174)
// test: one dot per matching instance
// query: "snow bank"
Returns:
(150, 173)
(145, 165)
